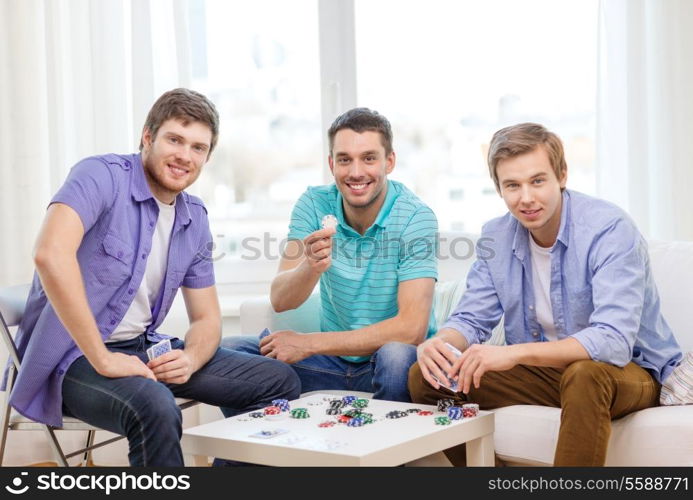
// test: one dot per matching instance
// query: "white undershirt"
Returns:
(139, 315)
(541, 279)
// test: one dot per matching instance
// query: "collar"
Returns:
(383, 215)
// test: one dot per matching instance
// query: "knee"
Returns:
(283, 379)
(396, 356)
(585, 377)
(155, 406)
(241, 343)
(416, 384)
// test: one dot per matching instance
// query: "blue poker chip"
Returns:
(282, 404)
(348, 399)
(356, 422)
(455, 413)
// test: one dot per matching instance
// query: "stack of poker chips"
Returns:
(455, 413)
(282, 404)
(396, 414)
(356, 422)
(442, 421)
(326, 423)
(273, 413)
(470, 410)
(256, 414)
(444, 404)
(359, 403)
(425, 413)
(299, 413)
(354, 412)
(348, 399)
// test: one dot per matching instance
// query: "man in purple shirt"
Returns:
(119, 238)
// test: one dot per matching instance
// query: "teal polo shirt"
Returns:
(360, 287)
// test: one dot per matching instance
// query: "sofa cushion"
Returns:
(661, 436)
(678, 387)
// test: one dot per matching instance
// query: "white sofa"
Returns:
(527, 435)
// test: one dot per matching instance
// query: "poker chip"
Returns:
(367, 418)
(272, 410)
(343, 419)
(396, 414)
(354, 412)
(299, 413)
(333, 411)
(329, 221)
(413, 410)
(455, 413)
(359, 403)
(282, 404)
(425, 413)
(256, 414)
(337, 403)
(356, 422)
(442, 421)
(444, 404)
(327, 423)
(470, 410)
(348, 399)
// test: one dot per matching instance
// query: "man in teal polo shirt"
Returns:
(376, 267)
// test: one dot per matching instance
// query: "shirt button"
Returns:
(127, 163)
(131, 291)
(144, 256)
(151, 224)
(113, 322)
(531, 308)
(535, 334)
(60, 372)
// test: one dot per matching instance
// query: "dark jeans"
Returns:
(385, 375)
(145, 411)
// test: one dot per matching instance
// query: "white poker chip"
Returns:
(329, 221)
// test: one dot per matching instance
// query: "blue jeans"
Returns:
(145, 411)
(385, 375)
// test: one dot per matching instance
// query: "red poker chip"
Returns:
(425, 413)
(343, 419)
(327, 423)
(272, 410)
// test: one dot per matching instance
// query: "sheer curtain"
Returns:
(77, 78)
(645, 113)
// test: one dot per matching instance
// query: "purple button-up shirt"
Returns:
(118, 211)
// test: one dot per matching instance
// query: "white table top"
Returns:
(384, 442)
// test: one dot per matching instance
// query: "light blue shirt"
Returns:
(360, 287)
(602, 290)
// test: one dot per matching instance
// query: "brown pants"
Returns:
(589, 393)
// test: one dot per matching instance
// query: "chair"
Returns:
(12, 303)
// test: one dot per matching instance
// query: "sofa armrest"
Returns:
(258, 314)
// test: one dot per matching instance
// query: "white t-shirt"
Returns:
(139, 316)
(541, 279)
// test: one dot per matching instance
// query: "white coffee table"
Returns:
(386, 442)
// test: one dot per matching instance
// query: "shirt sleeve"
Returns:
(479, 309)
(418, 254)
(200, 274)
(89, 190)
(304, 220)
(618, 260)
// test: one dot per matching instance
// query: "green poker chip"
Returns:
(442, 421)
(299, 413)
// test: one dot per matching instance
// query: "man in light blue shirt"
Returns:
(571, 276)
(376, 268)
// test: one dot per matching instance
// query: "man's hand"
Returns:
(479, 359)
(174, 367)
(435, 360)
(117, 364)
(317, 248)
(286, 345)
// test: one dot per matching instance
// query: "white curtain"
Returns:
(645, 113)
(77, 78)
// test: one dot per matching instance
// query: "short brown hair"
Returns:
(183, 104)
(523, 138)
(361, 120)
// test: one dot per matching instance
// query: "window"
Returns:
(449, 73)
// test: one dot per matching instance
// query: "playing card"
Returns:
(451, 384)
(269, 433)
(158, 349)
